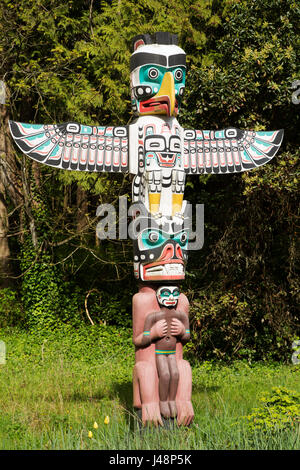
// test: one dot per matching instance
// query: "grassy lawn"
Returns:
(54, 388)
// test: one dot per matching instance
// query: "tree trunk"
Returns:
(5, 266)
(28, 206)
(10, 171)
(82, 209)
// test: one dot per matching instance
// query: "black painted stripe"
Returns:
(142, 58)
(177, 59)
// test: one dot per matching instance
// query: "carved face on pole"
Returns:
(160, 251)
(167, 296)
(158, 68)
(162, 150)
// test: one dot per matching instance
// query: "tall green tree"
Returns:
(70, 61)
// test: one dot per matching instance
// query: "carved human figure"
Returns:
(162, 379)
(173, 326)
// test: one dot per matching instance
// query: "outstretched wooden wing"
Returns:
(72, 146)
(229, 150)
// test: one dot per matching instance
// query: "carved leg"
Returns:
(178, 181)
(173, 384)
(154, 190)
(185, 412)
(144, 383)
(164, 384)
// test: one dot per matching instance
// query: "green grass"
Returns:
(54, 387)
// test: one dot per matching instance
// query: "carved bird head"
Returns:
(157, 77)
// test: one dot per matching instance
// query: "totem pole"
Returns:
(159, 153)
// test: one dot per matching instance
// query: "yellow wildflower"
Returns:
(95, 425)
(90, 434)
(106, 420)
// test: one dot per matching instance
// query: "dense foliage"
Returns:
(70, 61)
(280, 410)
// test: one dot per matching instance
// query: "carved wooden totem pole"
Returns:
(159, 153)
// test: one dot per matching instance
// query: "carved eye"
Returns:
(230, 133)
(153, 73)
(164, 293)
(155, 143)
(175, 144)
(153, 237)
(178, 74)
(183, 238)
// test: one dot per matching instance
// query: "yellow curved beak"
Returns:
(167, 89)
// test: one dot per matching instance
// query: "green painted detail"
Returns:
(166, 293)
(158, 72)
(160, 351)
(155, 238)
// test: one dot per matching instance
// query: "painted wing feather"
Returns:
(72, 146)
(229, 150)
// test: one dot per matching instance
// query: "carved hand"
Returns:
(177, 327)
(159, 329)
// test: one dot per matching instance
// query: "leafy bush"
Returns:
(280, 411)
(11, 311)
(48, 300)
(111, 308)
